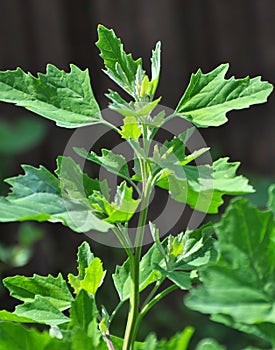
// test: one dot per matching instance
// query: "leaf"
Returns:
(94, 275)
(66, 98)
(54, 289)
(240, 285)
(41, 310)
(130, 129)
(179, 341)
(121, 209)
(197, 248)
(83, 310)
(16, 337)
(83, 327)
(185, 254)
(37, 195)
(271, 198)
(120, 66)
(155, 67)
(131, 109)
(264, 330)
(114, 163)
(9, 316)
(180, 278)
(209, 97)
(84, 258)
(73, 182)
(91, 273)
(202, 187)
(148, 273)
(209, 344)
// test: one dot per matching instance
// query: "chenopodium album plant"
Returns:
(233, 261)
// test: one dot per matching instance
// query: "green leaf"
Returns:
(179, 341)
(131, 109)
(114, 163)
(241, 283)
(73, 182)
(16, 337)
(120, 66)
(66, 98)
(54, 289)
(180, 278)
(130, 128)
(84, 258)
(121, 209)
(84, 328)
(91, 273)
(83, 311)
(94, 275)
(271, 198)
(148, 273)
(202, 187)
(9, 316)
(264, 330)
(198, 249)
(209, 344)
(155, 67)
(37, 195)
(209, 97)
(41, 310)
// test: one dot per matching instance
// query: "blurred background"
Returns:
(198, 33)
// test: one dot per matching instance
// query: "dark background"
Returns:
(198, 33)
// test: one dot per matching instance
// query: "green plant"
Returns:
(84, 204)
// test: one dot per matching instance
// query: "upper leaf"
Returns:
(37, 195)
(84, 258)
(155, 67)
(202, 187)
(66, 98)
(130, 128)
(115, 163)
(119, 66)
(240, 285)
(209, 97)
(121, 209)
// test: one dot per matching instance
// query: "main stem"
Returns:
(130, 332)
(131, 329)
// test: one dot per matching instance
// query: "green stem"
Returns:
(131, 328)
(115, 311)
(110, 125)
(134, 305)
(130, 334)
(156, 299)
(123, 242)
(151, 303)
(153, 291)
